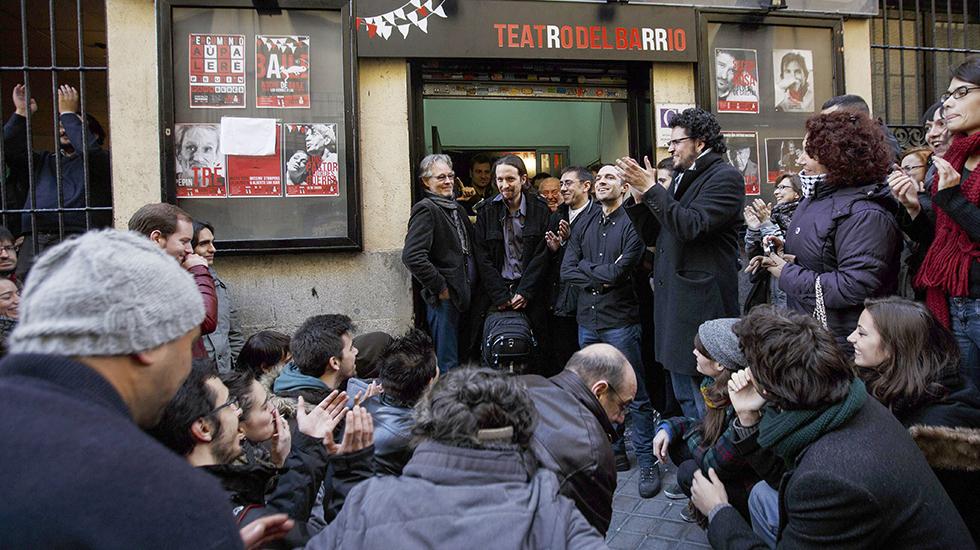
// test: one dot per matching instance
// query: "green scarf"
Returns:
(787, 433)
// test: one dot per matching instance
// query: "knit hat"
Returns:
(105, 293)
(721, 343)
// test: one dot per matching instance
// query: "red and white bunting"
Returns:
(413, 13)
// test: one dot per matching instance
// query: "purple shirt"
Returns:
(513, 241)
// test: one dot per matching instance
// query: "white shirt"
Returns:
(573, 213)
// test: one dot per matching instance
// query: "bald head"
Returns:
(608, 375)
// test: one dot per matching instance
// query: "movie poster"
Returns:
(783, 155)
(216, 71)
(200, 168)
(743, 154)
(736, 80)
(282, 71)
(309, 160)
(256, 176)
(793, 80)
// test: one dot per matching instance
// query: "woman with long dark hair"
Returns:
(843, 244)
(910, 363)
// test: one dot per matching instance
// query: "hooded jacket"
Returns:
(292, 384)
(848, 236)
(451, 497)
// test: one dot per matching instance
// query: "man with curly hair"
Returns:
(693, 222)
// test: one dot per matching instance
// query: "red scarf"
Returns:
(945, 270)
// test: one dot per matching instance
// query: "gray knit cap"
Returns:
(721, 343)
(105, 293)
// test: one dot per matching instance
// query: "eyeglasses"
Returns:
(619, 400)
(676, 142)
(232, 402)
(568, 183)
(784, 187)
(444, 177)
(958, 93)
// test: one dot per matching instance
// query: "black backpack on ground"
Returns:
(508, 342)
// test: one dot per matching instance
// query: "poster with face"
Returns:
(743, 154)
(736, 80)
(282, 71)
(200, 167)
(793, 80)
(783, 155)
(256, 176)
(309, 159)
(216, 68)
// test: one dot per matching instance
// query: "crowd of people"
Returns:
(833, 404)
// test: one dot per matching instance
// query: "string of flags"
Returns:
(413, 13)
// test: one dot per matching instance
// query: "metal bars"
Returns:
(902, 28)
(54, 191)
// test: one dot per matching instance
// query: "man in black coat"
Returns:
(693, 224)
(848, 474)
(562, 331)
(510, 247)
(576, 410)
(439, 254)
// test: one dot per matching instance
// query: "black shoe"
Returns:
(622, 462)
(691, 514)
(674, 492)
(649, 481)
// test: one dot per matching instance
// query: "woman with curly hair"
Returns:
(910, 363)
(843, 244)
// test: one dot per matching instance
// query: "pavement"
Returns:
(649, 523)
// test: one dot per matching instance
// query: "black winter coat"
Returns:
(433, 253)
(695, 267)
(863, 485)
(562, 297)
(572, 439)
(489, 246)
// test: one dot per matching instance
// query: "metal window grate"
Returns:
(49, 193)
(914, 45)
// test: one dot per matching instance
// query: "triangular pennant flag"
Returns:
(427, 5)
(360, 22)
(417, 3)
(399, 13)
(440, 12)
(372, 30)
(423, 11)
(424, 25)
(404, 30)
(413, 17)
(385, 32)
(389, 17)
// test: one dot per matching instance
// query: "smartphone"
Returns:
(767, 247)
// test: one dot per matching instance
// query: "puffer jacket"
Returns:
(450, 497)
(848, 237)
(393, 423)
(948, 432)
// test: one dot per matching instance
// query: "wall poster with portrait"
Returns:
(765, 78)
(259, 140)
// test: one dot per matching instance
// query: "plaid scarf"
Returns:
(945, 270)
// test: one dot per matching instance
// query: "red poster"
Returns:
(743, 154)
(250, 176)
(309, 160)
(736, 80)
(199, 166)
(216, 71)
(282, 71)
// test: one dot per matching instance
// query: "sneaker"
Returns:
(649, 484)
(674, 492)
(690, 514)
(622, 462)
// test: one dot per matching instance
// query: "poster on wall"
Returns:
(216, 71)
(743, 154)
(665, 113)
(736, 80)
(793, 80)
(783, 155)
(256, 175)
(200, 170)
(282, 71)
(309, 159)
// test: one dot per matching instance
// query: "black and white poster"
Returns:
(793, 80)
(743, 154)
(309, 159)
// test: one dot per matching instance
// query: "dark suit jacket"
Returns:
(562, 296)
(863, 485)
(433, 254)
(489, 246)
(695, 268)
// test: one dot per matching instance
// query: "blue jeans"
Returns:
(687, 391)
(640, 414)
(764, 509)
(444, 324)
(965, 315)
